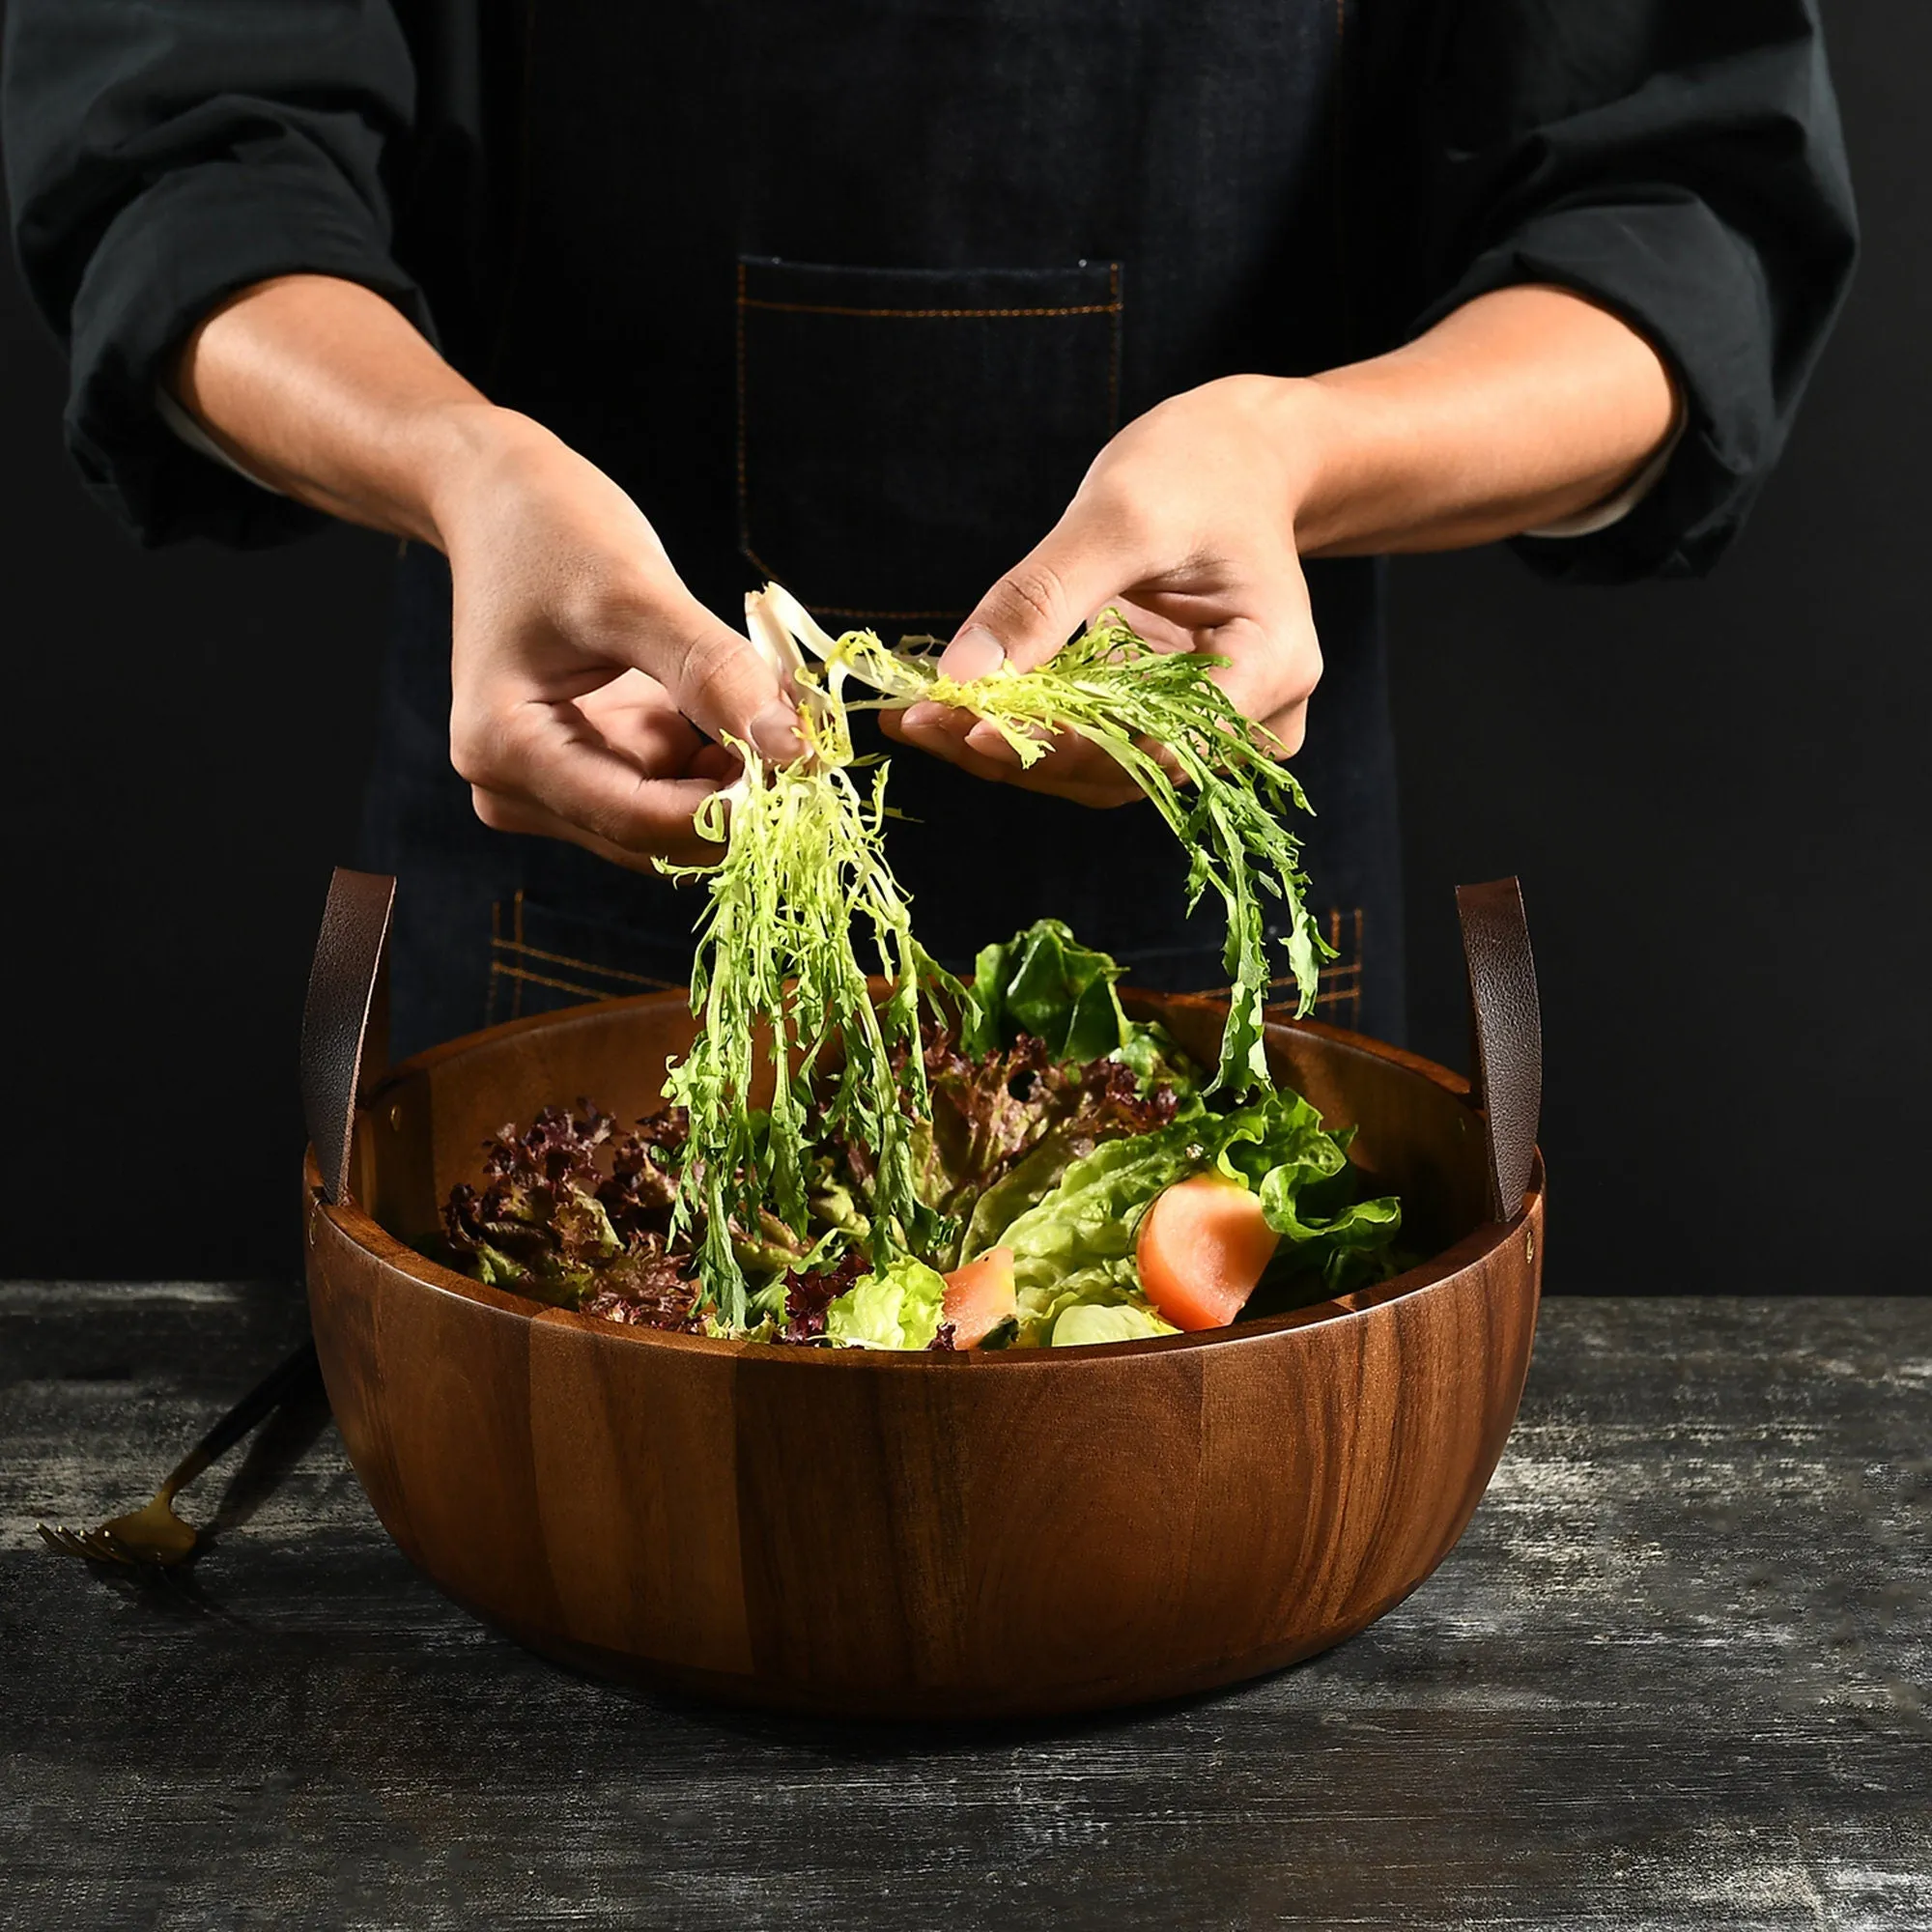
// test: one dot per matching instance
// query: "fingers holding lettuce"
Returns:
(593, 695)
(1187, 524)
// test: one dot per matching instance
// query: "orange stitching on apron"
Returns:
(490, 977)
(885, 617)
(1111, 306)
(830, 609)
(520, 975)
(516, 985)
(1345, 993)
(1341, 987)
(582, 965)
(1339, 983)
(918, 314)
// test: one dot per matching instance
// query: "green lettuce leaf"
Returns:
(1044, 982)
(1348, 1248)
(1075, 1245)
(897, 1307)
(1019, 1188)
(991, 1118)
(1088, 1321)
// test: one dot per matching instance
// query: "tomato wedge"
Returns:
(979, 1297)
(1201, 1249)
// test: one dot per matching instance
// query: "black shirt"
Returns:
(850, 292)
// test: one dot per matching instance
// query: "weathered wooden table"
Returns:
(1676, 1675)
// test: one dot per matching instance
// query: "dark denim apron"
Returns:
(850, 295)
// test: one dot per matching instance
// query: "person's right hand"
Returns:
(583, 674)
(592, 691)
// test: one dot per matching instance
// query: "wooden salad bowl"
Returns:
(860, 1533)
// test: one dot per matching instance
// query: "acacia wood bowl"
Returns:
(860, 1533)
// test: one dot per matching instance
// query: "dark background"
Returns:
(1714, 794)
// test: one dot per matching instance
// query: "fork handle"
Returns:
(299, 1372)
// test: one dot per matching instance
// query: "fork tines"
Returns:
(93, 1546)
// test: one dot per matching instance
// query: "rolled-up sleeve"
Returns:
(1684, 165)
(158, 159)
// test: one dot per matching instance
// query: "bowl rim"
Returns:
(358, 1227)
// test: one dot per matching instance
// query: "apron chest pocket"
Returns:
(905, 434)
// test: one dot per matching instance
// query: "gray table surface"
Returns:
(1676, 1675)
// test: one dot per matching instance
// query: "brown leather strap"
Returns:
(343, 988)
(1506, 1027)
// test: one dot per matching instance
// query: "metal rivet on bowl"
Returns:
(1529, 1244)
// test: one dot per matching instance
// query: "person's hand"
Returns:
(585, 676)
(1186, 523)
(582, 663)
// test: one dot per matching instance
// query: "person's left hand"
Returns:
(1185, 523)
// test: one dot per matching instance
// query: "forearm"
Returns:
(1523, 408)
(321, 389)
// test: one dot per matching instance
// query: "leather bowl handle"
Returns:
(346, 986)
(1506, 1034)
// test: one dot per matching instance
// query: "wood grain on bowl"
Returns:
(972, 1535)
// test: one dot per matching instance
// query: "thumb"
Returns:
(1038, 604)
(723, 684)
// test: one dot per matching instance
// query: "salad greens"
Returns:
(1111, 688)
(838, 1140)
(780, 990)
(897, 1307)
(1054, 1160)
(1044, 983)
(1074, 1246)
(552, 1224)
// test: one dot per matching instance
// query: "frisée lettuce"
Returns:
(855, 1121)
(1057, 1160)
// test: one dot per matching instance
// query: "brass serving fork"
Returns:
(155, 1534)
